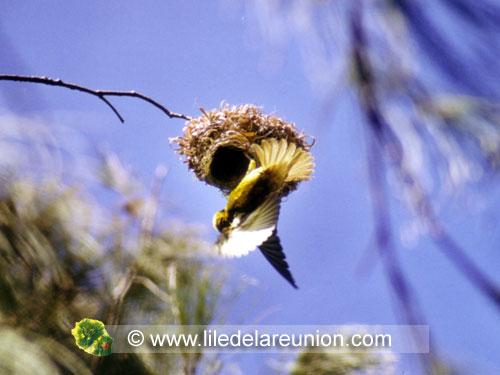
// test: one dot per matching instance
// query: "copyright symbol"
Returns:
(135, 337)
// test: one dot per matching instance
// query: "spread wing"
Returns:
(273, 251)
(252, 231)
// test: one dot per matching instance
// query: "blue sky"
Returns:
(188, 54)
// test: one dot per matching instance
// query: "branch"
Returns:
(392, 149)
(101, 94)
(408, 307)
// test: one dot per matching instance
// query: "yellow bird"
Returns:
(251, 214)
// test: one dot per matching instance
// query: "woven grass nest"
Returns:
(216, 145)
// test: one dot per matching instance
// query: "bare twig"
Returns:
(101, 94)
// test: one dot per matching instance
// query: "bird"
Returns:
(250, 216)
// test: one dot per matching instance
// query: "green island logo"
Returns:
(91, 336)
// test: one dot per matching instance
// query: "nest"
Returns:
(217, 144)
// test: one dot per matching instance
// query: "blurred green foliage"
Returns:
(325, 363)
(64, 257)
(351, 360)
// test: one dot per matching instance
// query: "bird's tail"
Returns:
(297, 162)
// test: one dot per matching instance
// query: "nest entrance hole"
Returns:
(229, 165)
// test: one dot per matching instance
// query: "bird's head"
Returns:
(221, 221)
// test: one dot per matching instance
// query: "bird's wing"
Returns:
(273, 251)
(296, 162)
(263, 217)
(252, 231)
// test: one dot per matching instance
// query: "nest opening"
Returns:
(229, 165)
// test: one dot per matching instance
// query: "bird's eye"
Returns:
(221, 221)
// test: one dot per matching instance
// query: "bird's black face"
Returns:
(221, 221)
